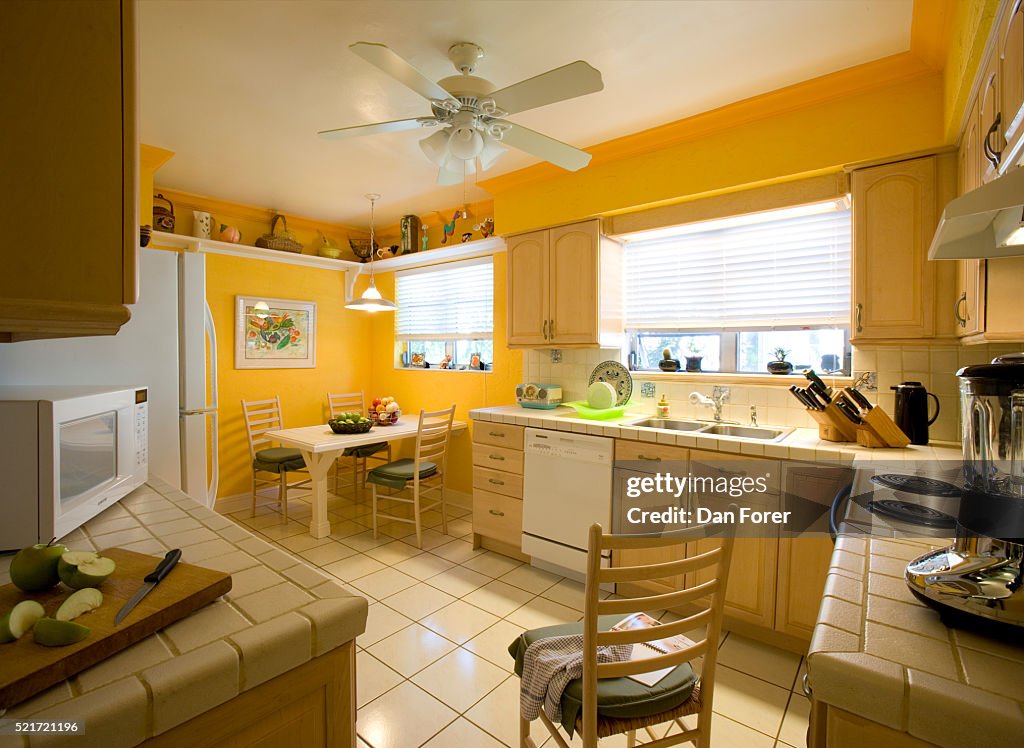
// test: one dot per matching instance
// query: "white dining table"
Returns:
(320, 447)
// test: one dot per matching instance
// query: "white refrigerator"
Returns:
(169, 345)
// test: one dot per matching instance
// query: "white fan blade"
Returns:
(382, 56)
(395, 125)
(567, 82)
(541, 146)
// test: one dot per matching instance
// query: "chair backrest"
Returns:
(432, 439)
(703, 601)
(345, 402)
(261, 416)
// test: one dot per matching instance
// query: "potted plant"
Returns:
(668, 363)
(780, 365)
(694, 358)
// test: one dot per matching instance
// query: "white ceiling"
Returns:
(239, 89)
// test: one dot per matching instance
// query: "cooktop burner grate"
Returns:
(914, 514)
(917, 484)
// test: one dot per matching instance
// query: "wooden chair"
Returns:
(347, 402)
(703, 603)
(262, 416)
(426, 472)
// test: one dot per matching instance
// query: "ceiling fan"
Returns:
(471, 113)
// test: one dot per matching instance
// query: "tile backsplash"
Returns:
(935, 366)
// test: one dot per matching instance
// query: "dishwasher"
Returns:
(567, 487)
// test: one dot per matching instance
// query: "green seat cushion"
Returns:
(622, 698)
(396, 474)
(367, 450)
(279, 459)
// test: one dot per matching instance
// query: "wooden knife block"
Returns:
(833, 426)
(876, 430)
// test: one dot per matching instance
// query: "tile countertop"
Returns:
(880, 653)
(279, 614)
(801, 444)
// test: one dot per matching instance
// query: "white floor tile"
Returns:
(353, 567)
(458, 581)
(750, 701)
(393, 552)
(385, 722)
(492, 644)
(759, 660)
(460, 679)
(463, 734)
(381, 622)
(542, 612)
(424, 566)
(491, 564)
(419, 600)
(384, 583)
(457, 551)
(322, 555)
(373, 678)
(530, 578)
(459, 621)
(498, 714)
(498, 598)
(410, 650)
(567, 592)
(794, 724)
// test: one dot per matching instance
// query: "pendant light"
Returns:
(371, 300)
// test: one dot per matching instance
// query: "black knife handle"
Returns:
(820, 391)
(812, 377)
(862, 401)
(164, 567)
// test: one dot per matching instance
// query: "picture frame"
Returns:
(282, 336)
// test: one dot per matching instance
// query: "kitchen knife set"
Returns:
(845, 415)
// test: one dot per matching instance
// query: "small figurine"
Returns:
(423, 238)
(467, 236)
(485, 227)
(449, 228)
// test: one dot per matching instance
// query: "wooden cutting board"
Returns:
(28, 668)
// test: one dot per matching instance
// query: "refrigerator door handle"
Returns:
(196, 411)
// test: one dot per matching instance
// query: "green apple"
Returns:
(80, 569)
(53, 633)
(78, 603)
(20, 619)
(35, 568)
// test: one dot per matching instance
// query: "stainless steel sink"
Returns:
(670, 425)
(744, 432)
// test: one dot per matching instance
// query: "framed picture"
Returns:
(274, 333)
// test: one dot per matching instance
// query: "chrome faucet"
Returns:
(753, 415)
(719, 396)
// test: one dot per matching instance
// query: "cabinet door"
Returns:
(969, 309)
(574, 282)
(527, 258)
(70, 158)
(803, 561)
(894, 217)
(990, 130)
(750, 591)
(1011, 78)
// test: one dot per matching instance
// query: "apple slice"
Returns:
(20, 619)
(53, 633)
(80, 569)
(78, 603)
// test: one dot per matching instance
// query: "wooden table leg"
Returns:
(319, 465)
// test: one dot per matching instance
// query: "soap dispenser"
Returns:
(663, 407)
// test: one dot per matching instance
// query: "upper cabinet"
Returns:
(895, 210)
(993, 146)
(1011, 79)
(69, 183)
(564, 287)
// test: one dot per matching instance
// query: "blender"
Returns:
(978, 580)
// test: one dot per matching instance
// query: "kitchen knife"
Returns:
(809, 373)
(849, 411)
(800, 395)
(152, 580)
(820, 402)
(858, 398)
(821, 391)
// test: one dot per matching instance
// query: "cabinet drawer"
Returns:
(498, 434)
(498, 481)
(498, 517)
(499, 458)
(626, 449)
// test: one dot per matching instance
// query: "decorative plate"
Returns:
(617, 376)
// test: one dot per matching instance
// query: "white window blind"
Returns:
(453, 301)
(780, 268)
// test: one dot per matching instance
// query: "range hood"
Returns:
(986, 222)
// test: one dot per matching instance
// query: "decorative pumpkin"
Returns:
(229, 234)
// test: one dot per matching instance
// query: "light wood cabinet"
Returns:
(803, 561)
(498, 487)
(564, 287)
(990, 122)
(1011, 79)
(70, 165)
(897, 292)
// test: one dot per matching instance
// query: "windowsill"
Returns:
(446, 371)
(731, 377)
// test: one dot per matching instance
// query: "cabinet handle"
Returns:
(991, 153)
(545, 329)
(496, 433)
(499, 458)
(649, 459)
(496, 482)
(551, 327)
(860, 317)
(496, 513)
(960, 319)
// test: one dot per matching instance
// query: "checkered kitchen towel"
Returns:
(549, 665)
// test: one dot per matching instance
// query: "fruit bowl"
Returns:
(385, 419)
(350, 423)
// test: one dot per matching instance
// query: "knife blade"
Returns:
(151, 580)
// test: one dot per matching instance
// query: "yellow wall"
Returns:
(970, 27)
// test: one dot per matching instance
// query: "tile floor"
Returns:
(432, 667)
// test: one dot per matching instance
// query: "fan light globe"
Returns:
(436, 147)
(465, 143)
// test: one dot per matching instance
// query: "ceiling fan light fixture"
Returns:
(453, 173)
(490, 153)
(465, 143)
(435, 147)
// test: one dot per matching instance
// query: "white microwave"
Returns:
(66, 454)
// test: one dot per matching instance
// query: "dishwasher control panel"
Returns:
(577, 447)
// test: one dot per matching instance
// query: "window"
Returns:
(445, 316)
(732, 291)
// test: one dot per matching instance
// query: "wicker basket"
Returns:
(385, 419)
(345, 427)
(283, 241)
